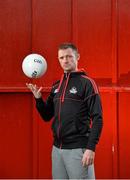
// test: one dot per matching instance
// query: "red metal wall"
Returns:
(101, 30)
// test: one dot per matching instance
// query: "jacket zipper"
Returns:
(59, 127)
(61, 101)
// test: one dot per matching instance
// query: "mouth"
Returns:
(66, 67)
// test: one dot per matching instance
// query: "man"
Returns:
(73, 103)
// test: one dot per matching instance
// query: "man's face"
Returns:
(68, 59)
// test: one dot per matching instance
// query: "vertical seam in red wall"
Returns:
(35, 123)
(114, 15)
(117, 132)
(74, 17)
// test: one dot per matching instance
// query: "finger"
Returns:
(86, 162)
(39, 89)
(35, 87)
(31, 87)
(28, 85)
(83, 162)
(90, 162)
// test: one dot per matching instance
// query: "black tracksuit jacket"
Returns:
(75, 109)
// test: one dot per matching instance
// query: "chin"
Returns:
(67, 70)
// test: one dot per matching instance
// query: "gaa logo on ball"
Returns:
(34, 66)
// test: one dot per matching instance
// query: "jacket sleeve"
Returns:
(94, 107)
(45, 109)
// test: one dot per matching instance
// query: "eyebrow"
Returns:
(61, 57)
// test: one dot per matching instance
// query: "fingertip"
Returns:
(27, 84)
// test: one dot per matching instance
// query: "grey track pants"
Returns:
(67, 164)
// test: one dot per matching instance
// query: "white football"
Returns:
(34, 65)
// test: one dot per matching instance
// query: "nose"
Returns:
(66, 57)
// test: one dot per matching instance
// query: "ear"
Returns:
(78, 56)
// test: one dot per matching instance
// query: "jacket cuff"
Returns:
(91, 147)
(38, 100)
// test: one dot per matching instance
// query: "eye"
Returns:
(61, 57)
(69, 56)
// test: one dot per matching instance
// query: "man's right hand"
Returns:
(35, 90)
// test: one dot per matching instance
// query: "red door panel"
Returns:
(104, 157)
(124, 42)
(16, 151)
(94, 38)
(15, 41)
(124, 141)
(124, 81)
(44, 145)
